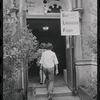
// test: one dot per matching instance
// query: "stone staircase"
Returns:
(60, 93)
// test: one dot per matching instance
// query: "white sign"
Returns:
(35, 7)
(70, 23)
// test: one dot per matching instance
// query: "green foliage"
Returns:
(90, 38)
(91, 86)
(19, 45)
(39, 52)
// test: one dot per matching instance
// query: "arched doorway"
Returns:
(53, 35)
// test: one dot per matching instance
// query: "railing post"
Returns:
(26, 79)
(74, 68)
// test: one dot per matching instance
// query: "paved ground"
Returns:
(61, 91)
(59, 81)
(57, 90)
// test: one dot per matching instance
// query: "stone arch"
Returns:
(58, 5)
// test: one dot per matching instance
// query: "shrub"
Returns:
(90, 38)
(19, 46)
(91, 86)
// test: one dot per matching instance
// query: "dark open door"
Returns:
(52, 35)
(69, 63)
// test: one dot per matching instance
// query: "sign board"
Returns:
(35, 7)
(70, 23)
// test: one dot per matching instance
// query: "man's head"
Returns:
(42, 46)
(49, 46)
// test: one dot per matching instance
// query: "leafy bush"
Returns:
(19, 46)
(91, 86)
(90, 38)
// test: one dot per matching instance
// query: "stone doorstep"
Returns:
(58, 98)
(58, 91)
(54, 95)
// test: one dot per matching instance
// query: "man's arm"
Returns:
(41, 66)
(56, 63)
(57, 69)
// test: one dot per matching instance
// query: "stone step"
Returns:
(59, 97)
(57, 90)
(55, 96)
(59, 93)
(41, 93)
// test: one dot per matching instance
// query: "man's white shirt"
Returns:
(48, 59)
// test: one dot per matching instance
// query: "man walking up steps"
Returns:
(49, 61)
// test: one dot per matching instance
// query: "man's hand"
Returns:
(57, 72)
(57, 69)
(40, 67)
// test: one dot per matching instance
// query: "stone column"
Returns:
(79, 3)
(77, 46)
(22, 17)
(74, 4)
(68, 4)
(22, 11)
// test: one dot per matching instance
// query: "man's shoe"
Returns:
(49, 96)
(41, 83)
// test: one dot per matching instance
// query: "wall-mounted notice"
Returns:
(70, 23)
(35, 7)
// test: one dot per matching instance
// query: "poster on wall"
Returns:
(70, 23)
(35, 7)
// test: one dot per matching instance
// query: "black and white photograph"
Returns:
(49, 49)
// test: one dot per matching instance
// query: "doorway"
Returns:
(52, 35)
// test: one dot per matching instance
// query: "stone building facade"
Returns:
(50, 9)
